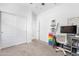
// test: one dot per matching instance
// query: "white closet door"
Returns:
(8, 29)
(13, 30)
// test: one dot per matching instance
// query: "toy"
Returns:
(51, 39)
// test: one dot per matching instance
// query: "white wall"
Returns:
(29, 26)
(34, 20)
(61, 13)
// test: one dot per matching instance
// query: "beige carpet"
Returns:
(35, 48)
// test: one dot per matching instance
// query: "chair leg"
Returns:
(61, 49)
(57, 50)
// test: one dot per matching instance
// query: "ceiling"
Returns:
(41, 7)
(22, 8)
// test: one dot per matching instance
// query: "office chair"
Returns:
(61, 40)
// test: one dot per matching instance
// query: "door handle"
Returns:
(1, 32)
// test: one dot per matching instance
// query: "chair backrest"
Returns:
(61, 38)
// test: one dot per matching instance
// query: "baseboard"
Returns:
(12, 45)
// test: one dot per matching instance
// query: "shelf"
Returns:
(75, 47)
(75, 54)
(75, 39)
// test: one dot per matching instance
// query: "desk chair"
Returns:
(61, 40)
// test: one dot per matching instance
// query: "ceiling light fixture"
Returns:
(30, 3)
(42, 3)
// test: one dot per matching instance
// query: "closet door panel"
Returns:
(8, 29)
